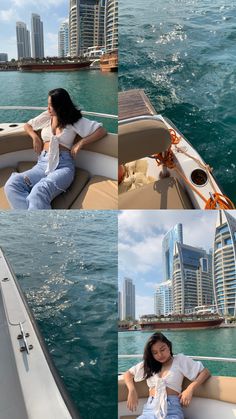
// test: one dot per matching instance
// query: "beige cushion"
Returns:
(108, 145)
(64, 200)
(23, 166)
(15, 141)
(99, 193)
(4, 175)
(166, 193)
(216, 388)
(142, 138)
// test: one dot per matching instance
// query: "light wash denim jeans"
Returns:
(174, 409)
(33, 190)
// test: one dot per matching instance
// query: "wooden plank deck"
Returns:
(134, 103)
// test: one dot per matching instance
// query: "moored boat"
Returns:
(109, 62)
(180, 322)
(31, 387)
(159, 168)
(54, 65)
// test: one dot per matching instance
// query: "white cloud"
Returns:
(37, 3)
(8, 15)
(144, 305)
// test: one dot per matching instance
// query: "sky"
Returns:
(52, 13)
(140, 246)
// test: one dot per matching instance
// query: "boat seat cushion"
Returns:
(100, 193)
(4, 176)
(64, 200)
(165, 193)
(141, 138)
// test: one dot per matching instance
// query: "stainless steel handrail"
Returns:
(203, 358)
(42, 108)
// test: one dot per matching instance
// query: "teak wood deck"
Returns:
(134, 103)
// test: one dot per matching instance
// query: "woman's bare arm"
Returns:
(187, 394)
(95, 136)
(132, 401)
(37, 142)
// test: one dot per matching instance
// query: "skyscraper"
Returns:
(23, 41)
(188, 260)
(224, 264)
(128, 303)
(63, 40)
(163, 299)
(84, 32)
(168, 244)
(119, 306)
(111, 25)
(205, 282)
(37, 36)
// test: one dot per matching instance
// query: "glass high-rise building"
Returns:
(163, 299)
(224, 264)
(168, 244)
(188, 262)
(63, 40)
(111, 25)
(128, 300)
(37, 36)
(23, 41)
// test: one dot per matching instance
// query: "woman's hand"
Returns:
(186, 397)
(37, 143)
(132, 401)
(76, 148)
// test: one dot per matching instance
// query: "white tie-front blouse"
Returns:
(182, 366)
(84, 127)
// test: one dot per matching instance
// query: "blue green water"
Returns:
(212, 342)
(91, 90)
(66, 264)
(183, 53)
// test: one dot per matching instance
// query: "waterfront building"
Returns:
(37, 36)
(168, 245)
(188, 260)
(23, 41)
(3, 57)
(86, 25)
(163, 299)
(119, 305)
(111, 25)
(224, 264)
(63, 40)
(128, 300)
(205, 295)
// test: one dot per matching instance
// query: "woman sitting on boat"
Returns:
(55, 169)
(164, 373)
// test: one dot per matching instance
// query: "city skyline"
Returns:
(52, 14)
(140, 250)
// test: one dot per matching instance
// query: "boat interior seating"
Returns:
(142, 138)
(86, 192)
(215, 398)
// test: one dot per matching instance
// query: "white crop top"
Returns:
(182, 366)
(84, 127)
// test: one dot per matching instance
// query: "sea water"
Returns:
(91, 90)
(66, 264)
(183, 53)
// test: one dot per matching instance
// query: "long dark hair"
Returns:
(151, 366)
(63, 106)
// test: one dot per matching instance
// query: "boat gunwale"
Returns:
(58, 380)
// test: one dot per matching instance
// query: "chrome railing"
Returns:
(198, 358)
(43, 108)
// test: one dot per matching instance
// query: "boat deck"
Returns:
(134, 103)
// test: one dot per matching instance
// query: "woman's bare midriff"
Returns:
(61, 147)
(169, 391)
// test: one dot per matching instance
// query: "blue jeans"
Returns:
(33, 190)
(174, 409)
